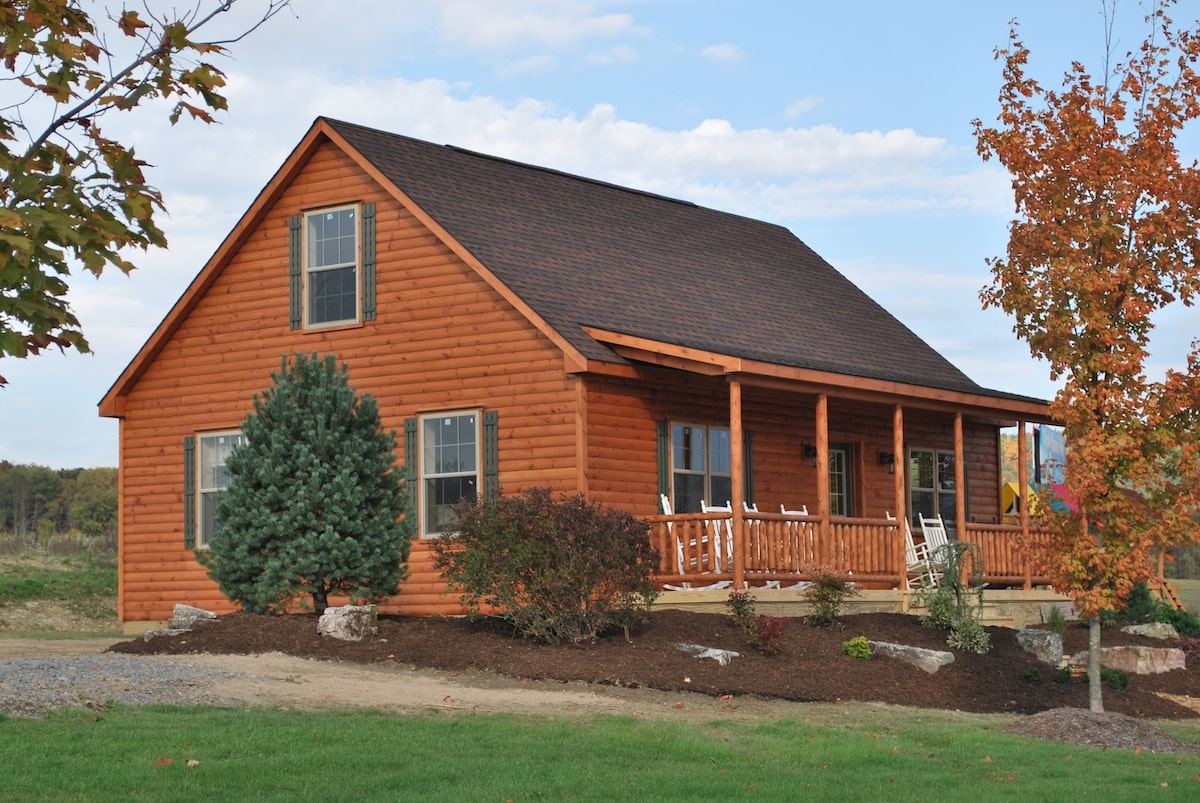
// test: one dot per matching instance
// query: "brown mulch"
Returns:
(809, 667)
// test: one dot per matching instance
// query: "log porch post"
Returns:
(738, 481)
(898, 479)
(1023, 499)
(823, 473)
(960, 478)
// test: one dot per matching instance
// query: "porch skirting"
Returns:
(1013, 608)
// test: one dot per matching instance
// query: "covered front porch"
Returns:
(749, 548)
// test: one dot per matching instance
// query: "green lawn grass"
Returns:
(82, 585)
(1189, 594)
(855, 752)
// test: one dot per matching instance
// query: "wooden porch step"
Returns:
(1168, 592)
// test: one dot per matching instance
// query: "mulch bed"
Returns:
(809, 667)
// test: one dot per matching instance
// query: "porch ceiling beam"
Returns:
(756, 373)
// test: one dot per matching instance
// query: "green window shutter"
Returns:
(491, 456)
(664, 458)
(748, 467)
(295, 283)
(368, 261)
(410, 462)
(189, 492)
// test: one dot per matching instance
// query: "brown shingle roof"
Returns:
(585, 253)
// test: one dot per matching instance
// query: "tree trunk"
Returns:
(1095, 697)
(320, 598)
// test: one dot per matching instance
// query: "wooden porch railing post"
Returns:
(737, 484)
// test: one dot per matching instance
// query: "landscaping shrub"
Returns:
(826, 597)
(741, 607)
(1141, 607)
(957, 602)
(1114, 678)
(315, 503)
(1055, 621)
(1032, 675)
(857, 647)
(766, 633)
(559, 571)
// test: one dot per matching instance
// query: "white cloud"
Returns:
(723, 53)
(491, 25)
(803, 106)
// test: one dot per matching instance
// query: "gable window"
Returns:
(332, 266)
(700, 466)
(931, 485)
(212, 479)
(450, 462)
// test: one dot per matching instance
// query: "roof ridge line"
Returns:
(576, 176)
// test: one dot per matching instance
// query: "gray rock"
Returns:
(184, 616)
(1159, 630)
(1136, 660)
(170, 631)
(926, 660)
(1045, 645)
(349, 622)
(723, 657)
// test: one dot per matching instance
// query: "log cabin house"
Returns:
(523, 327)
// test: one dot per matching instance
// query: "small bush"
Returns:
(559, 571)
(741, 607)
(1114, 678)
(940, 606)
(1032, 675)
(826, 598)
(857, 647)
(967, 633)
(1055, 621)
(766, 634)
(1063, 675)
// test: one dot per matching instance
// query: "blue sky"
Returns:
(849, 123)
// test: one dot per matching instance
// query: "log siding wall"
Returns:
(442, 340)
(622, 455)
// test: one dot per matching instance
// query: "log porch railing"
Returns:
(788, 548)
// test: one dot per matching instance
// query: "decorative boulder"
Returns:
(926, 660)
(185, 616)
(349, 622)
(1045, 645)
(1159, 630)
(1136, 660)
(722, 657)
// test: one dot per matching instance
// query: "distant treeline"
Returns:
(40, 504)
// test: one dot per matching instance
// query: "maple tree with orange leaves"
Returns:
(1107, 234)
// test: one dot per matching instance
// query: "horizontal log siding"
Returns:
(443, 340)
(622, 455)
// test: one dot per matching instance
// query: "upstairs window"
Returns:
(331, 266)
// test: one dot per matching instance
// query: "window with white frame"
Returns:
(214, 450)
(700, 466)
(331, 257)
(450, 461)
